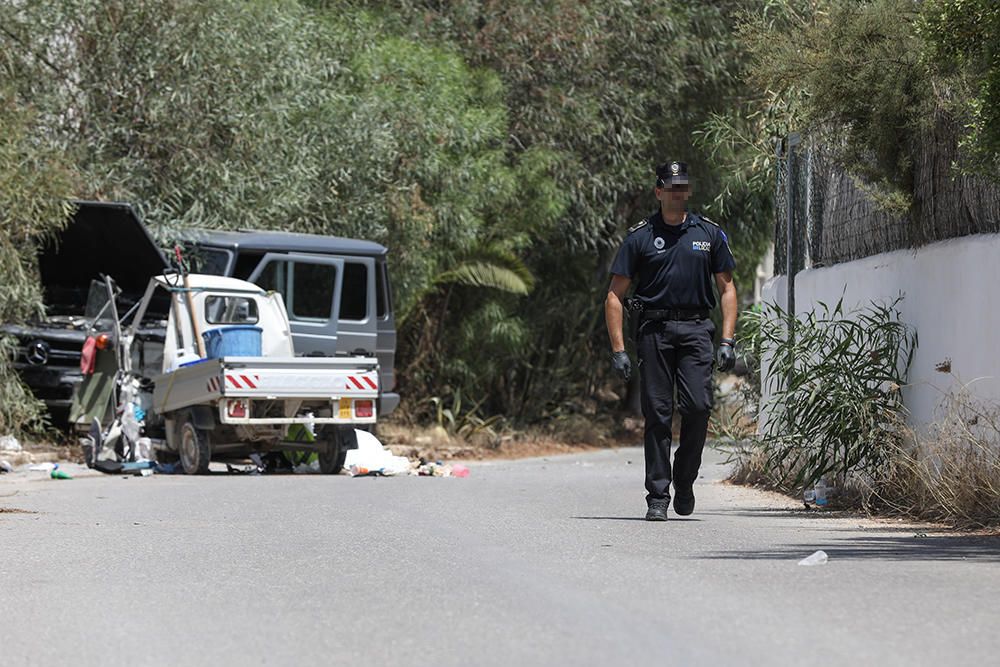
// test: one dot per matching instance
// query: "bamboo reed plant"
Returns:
(831, 401)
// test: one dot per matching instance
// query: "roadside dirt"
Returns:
(433, 444)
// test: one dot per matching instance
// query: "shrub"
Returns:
(831, 391)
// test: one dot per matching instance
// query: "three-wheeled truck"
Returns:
(228, 385)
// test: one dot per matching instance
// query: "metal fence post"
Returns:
(790, 264)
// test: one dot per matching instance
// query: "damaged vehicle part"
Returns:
(101, 239)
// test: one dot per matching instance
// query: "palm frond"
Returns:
(481, 274)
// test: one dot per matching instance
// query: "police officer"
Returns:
(672, 257)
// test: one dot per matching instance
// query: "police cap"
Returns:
(672, 173)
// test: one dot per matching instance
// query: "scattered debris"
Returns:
(5, 466)
(371, 458)
(307, 467)
(817, 558)
(9, 443)
(434, 469)
(56, 473)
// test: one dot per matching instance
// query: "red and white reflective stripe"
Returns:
(357, 383)
(213, 384)
(242, 381)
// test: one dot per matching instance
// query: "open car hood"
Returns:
(101, 238)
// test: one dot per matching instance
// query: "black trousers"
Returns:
(673, 354)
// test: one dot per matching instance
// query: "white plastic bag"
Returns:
(817, 558)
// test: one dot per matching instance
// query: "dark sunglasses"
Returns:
(679, 187)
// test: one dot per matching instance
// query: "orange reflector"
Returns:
(236, 408)
(103, 341)
(344, 409)
(364, 409)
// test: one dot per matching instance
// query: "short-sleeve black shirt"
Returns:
(673, 266)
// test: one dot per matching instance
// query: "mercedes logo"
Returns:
(37, 353)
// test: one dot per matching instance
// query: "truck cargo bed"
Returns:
(266, 378)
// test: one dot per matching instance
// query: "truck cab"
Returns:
(336, 290)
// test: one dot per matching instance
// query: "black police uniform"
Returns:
(672, 268)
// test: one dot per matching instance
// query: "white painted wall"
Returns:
(951, 296)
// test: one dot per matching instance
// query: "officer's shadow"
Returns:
(631, 518)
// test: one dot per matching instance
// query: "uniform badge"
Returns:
(659, 243)
(675, 168)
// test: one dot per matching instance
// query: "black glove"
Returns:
(621, 363)
(726, 357)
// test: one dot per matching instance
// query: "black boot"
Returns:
(657, 510)
(684, 500)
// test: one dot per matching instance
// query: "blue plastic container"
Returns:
(240, 340)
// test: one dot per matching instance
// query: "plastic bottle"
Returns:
(809, 495)
(59, 474)
(822, 493)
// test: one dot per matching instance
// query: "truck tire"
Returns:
(194, 447)
(333, 455)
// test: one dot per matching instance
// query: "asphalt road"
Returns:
(533, 562)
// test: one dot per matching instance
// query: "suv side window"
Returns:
(307, 288)
(354, 295)
(381, 291)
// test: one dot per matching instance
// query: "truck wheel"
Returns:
(194, 448)
(332, 457)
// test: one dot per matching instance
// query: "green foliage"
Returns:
(832, 389)
(463, 420)
(963, 48)
(497, 148)
(477, 274)
(867, 78)
(34, 185)
(849, 72)
(597, 94)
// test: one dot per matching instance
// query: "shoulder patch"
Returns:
(637, 225)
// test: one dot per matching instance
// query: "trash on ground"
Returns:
(172, 468)
(306, 467)
(817, 558)
(144, 449)
(9, 443)
(439, 469)
(107, 467)
(358, 471)
(5, 466)
(56, 473)
(435, 469)
(251, 469)
(139, 468)
(372, 458)
(48, 466)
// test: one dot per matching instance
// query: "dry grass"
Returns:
(948, 474)
(565, 435)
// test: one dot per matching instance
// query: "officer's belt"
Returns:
(663, 315)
